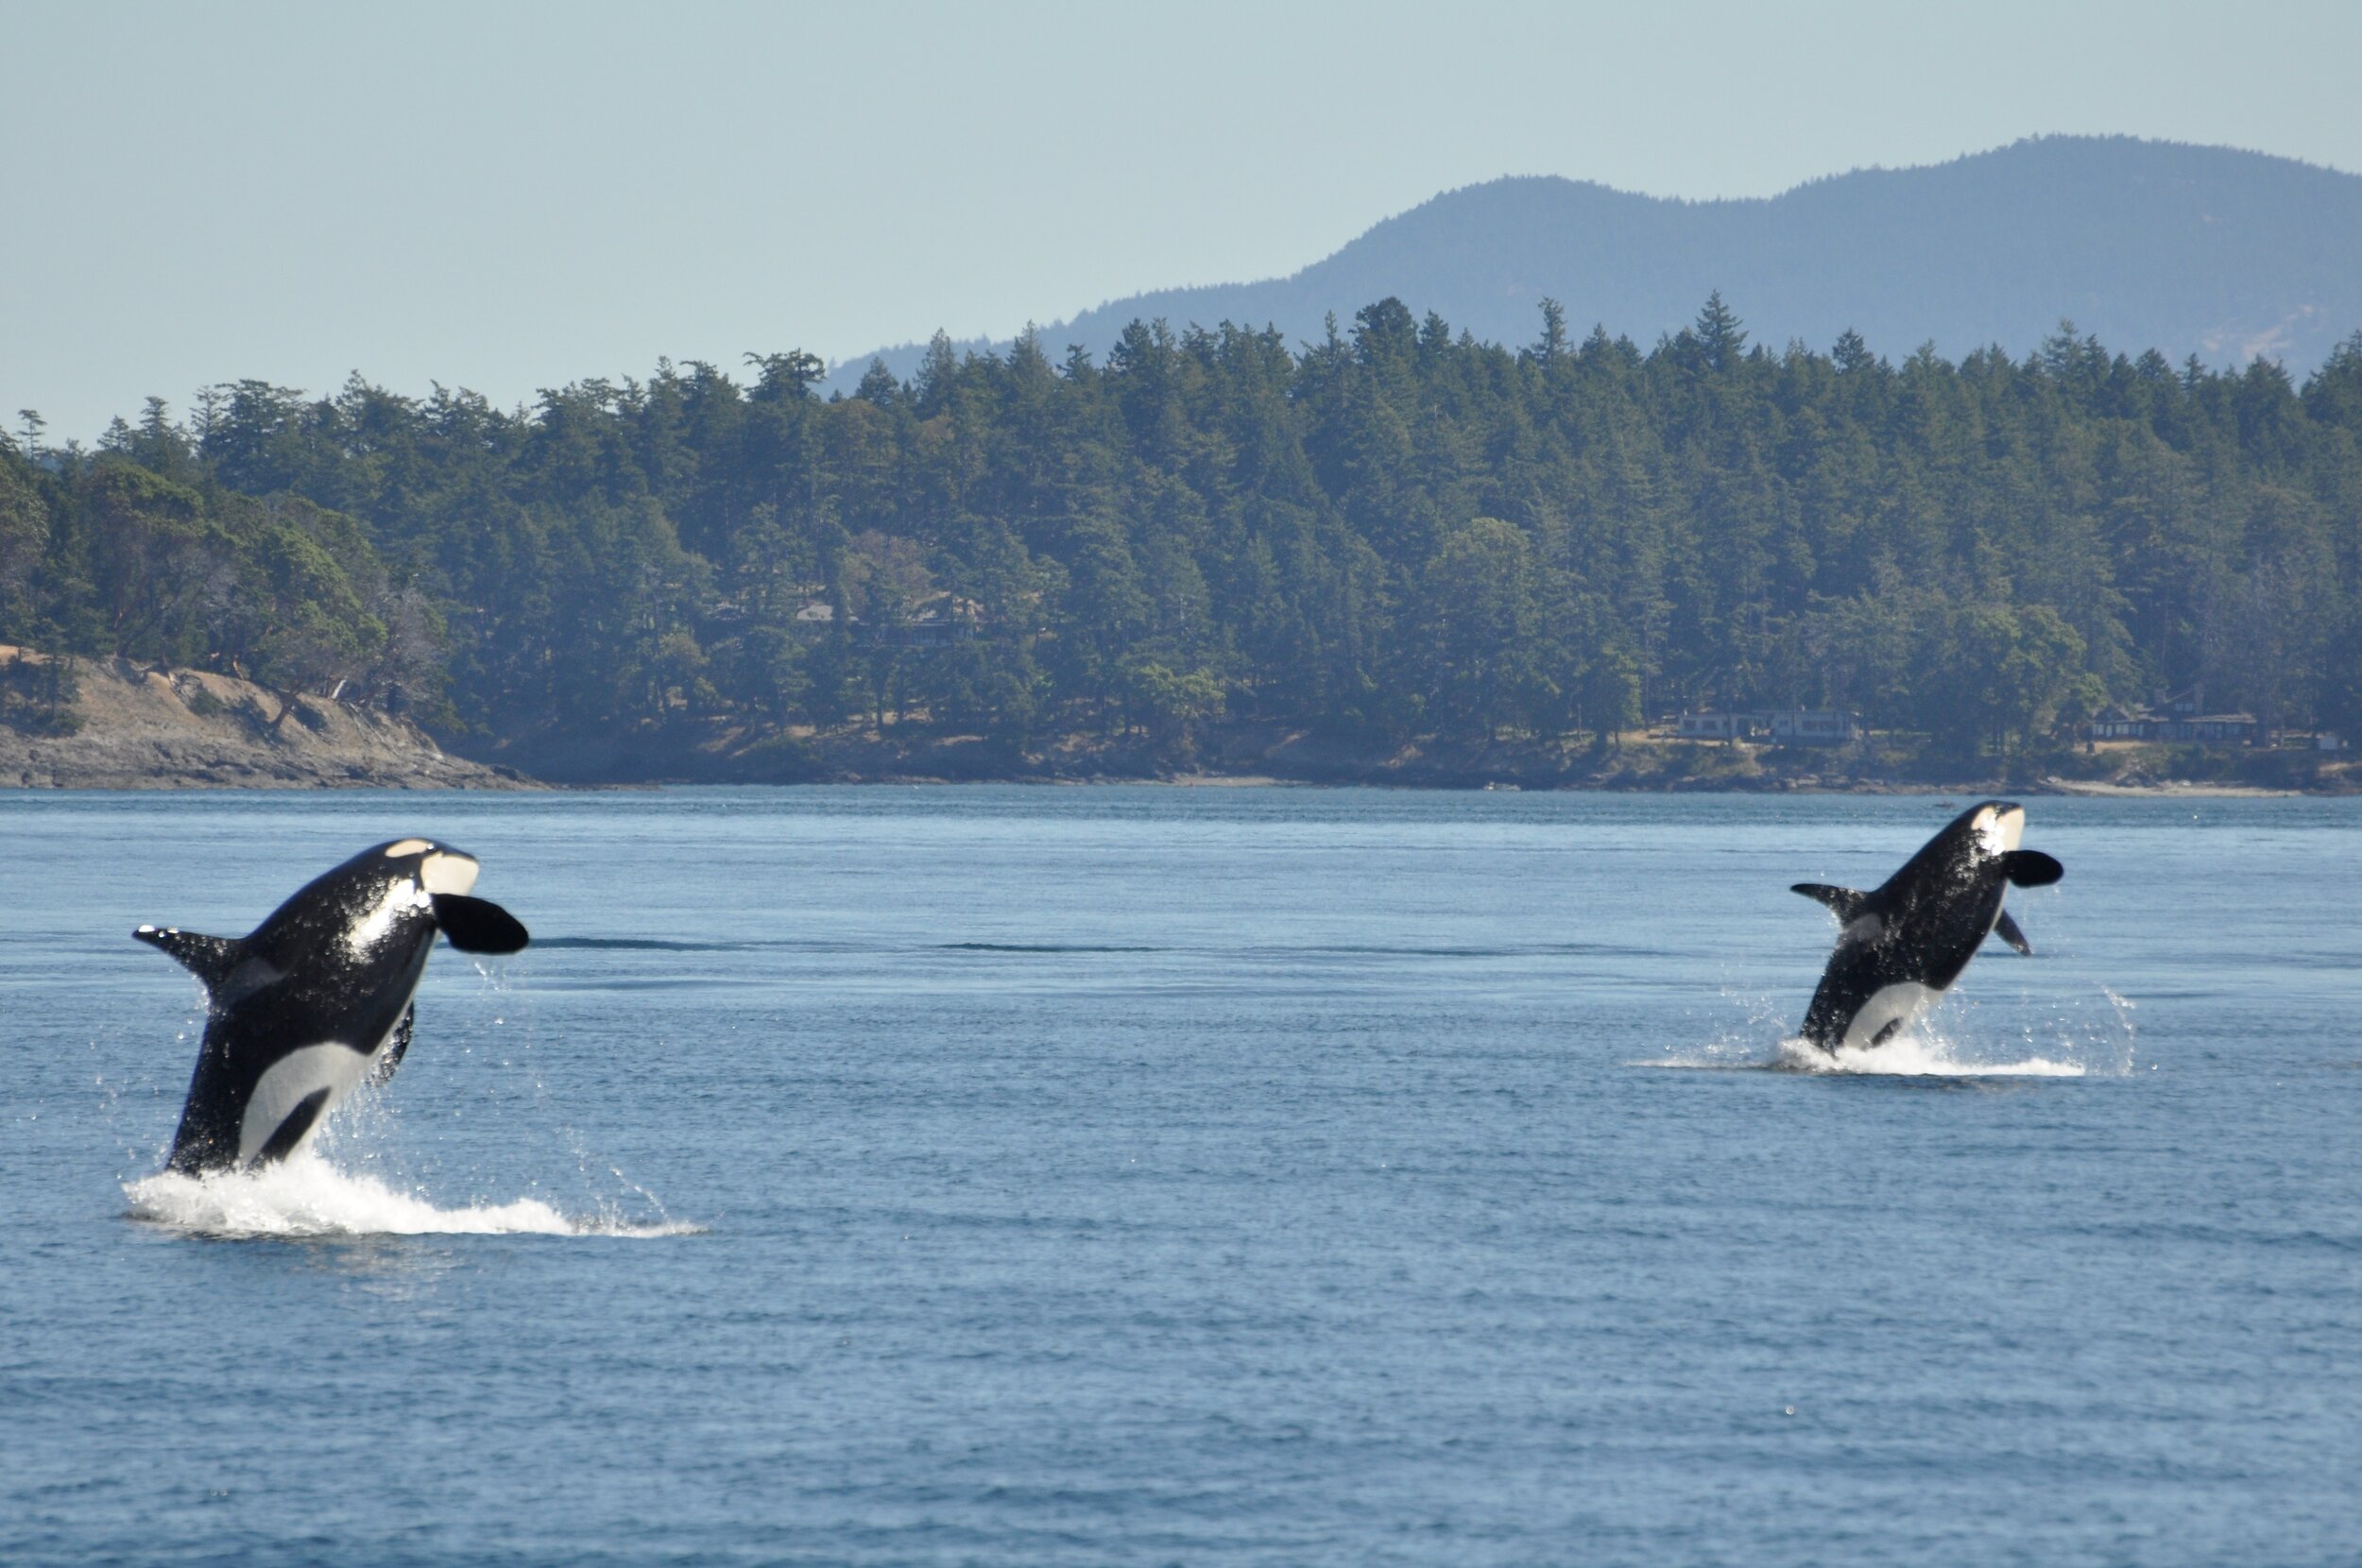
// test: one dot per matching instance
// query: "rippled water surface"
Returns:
(1028, 1176)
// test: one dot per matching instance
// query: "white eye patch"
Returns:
(407, 846)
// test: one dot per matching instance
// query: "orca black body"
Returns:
(1903, 946)
(318, 997)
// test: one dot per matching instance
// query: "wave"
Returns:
(304, 1196)
(1548, 949)
(638, 945)
(1035, 948)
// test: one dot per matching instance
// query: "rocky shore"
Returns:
(113, 725)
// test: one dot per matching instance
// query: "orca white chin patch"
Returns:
(1999, 832)
(1894, 1005)
(287, 1084)
(448, 871)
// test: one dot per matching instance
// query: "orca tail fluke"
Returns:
(478, 924)
(1844, 903)
(209, 958)
(2030, 868)
(2006, 929)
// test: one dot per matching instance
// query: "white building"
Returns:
(1787, 727)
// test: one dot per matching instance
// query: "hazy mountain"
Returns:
(2191, 250)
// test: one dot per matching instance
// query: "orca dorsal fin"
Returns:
(478, 924)
(2030, 868)
(209, 958)
(2006, 929)
(1844, 903)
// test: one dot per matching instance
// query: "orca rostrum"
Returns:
(318, 997)
(1900, 947)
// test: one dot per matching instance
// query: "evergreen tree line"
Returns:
(1395, 532)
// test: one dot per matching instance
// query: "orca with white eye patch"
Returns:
(1901, 947)
(318, 997)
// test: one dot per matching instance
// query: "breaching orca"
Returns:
(318, 997)
(1902, 945)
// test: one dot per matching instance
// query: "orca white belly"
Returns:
(1898, 1005)
(288, 1082)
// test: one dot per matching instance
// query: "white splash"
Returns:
(2078, 1034)
(305, 1196)
(1912, 1055)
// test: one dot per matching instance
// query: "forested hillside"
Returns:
(1392, 534)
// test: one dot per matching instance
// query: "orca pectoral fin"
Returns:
(209, 958)
(2030, 868)
(1844, 903)
(390, 1058)
(2006, 929)
(477, 925)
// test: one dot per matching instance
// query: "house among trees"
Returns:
(940, 620)
(1805, 726)
(1785, 726)
(2239, 729)
(1714, 725)
(2177, 718)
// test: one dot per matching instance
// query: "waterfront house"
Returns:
(1785, 726)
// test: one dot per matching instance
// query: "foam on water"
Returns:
(1913, 1056)
(305, 1196)
(1904, 1056)
(2080, 1037)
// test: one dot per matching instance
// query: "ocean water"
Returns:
(1066, 1176)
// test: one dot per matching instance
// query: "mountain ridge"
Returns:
(2190, 249)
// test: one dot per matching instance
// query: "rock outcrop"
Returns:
(113, 725)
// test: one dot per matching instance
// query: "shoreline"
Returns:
(109, 723)
(2175, 789)
(1245, 753)
(508, 783)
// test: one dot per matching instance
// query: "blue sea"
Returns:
(1197, 1176)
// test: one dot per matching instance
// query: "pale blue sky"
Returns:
(509, 196)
